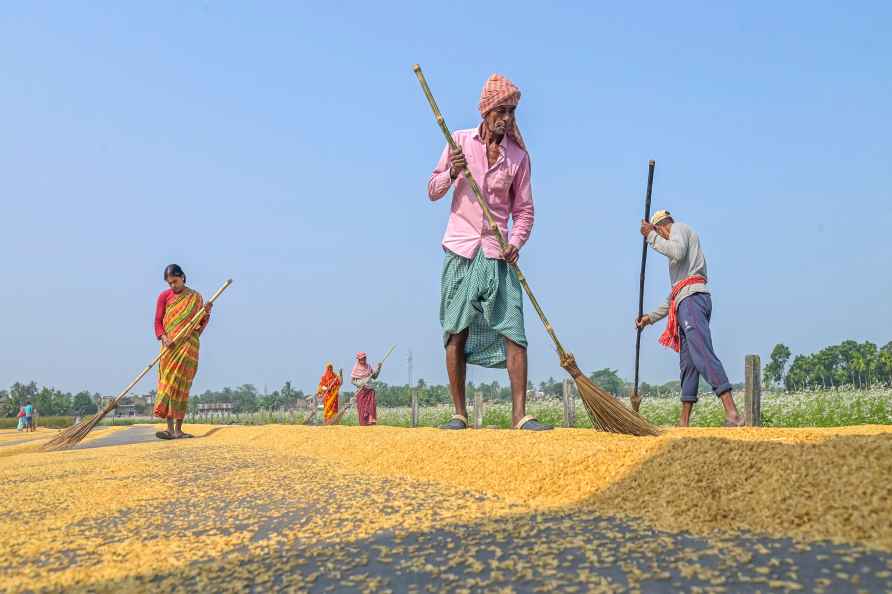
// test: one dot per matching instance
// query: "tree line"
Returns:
(247, 399)
(47, 401)
(857, 365)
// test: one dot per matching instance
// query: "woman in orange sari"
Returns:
(175, 309)
(328, 390)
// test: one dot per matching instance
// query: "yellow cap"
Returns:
(659, 216)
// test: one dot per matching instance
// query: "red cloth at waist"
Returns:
(670, 336)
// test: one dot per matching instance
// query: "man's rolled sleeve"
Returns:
(440, 180)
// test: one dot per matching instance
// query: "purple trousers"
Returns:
(696, 357)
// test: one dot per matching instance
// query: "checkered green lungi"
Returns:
(484, 295)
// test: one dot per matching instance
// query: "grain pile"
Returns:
(305, 504)
(812, 483)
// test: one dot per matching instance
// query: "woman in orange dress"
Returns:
(329, 389)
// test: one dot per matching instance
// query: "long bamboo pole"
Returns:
(492, 224)
(636, 397)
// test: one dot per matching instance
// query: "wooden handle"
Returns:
(220, 290)
(483, 205)
(636, 400)
(388, 354)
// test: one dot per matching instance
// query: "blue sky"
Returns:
(287, 145)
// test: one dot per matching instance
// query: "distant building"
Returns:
(220, 408)
(139, 400)
(125, 410)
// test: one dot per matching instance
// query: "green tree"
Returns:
(22, 393)
(774, 371)
(797, 376)
(869, 361)
(51, 402)
(884, 366)
(609, 380)
(848, 351)
(828, 365)
(82, 404)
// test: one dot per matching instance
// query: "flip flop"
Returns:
(456, 422)
(740, 423)
(164, 435)
(531, 423)
(186, 436)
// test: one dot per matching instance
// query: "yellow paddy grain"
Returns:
(111, 518)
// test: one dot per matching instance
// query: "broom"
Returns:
(636, 397)
(347, 406)
(74, 434)
(606, 412)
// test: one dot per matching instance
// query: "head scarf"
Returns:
(498, 91)
(329, 376)
(361, 370)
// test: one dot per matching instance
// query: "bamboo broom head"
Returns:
(606, 412)
(72, 436)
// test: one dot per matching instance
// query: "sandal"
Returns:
(186, 435)
(531, 423)
(741, 422)
(456, 422)
(164, 435)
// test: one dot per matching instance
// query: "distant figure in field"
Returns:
(361, 377)
(29, 417)
(20, 425)
(689, 307)
(174, 311)
(329, 389)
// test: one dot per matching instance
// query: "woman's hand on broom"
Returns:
(643, 321)
(166, 341)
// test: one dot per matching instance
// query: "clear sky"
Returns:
(288, 146)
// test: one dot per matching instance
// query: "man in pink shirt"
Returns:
(481, 301)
